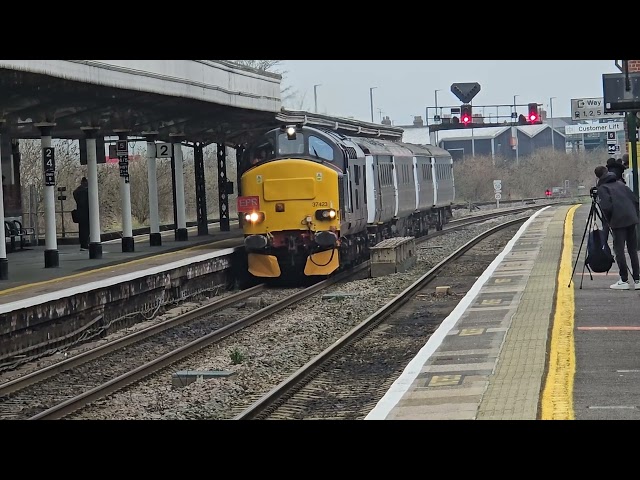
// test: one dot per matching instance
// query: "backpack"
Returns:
(599, 258)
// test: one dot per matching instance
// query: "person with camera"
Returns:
(619, 207)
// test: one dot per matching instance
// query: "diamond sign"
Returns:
(465, 91)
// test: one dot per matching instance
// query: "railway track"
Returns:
(63, 388)
(346, 379)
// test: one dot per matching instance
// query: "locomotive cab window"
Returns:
(257, 154)
(319, 148)
(290, 146)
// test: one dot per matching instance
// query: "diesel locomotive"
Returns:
(314, 200)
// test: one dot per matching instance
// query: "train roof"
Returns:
(345, 126)
(437, 151)
(426, 150)
(375, 146)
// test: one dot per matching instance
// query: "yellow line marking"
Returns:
(557, 395)
(491, 301)
(471, 331)
(110, 267)
(444, 381)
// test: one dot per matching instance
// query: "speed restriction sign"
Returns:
(498, 196)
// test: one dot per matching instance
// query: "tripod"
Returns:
(594, 213)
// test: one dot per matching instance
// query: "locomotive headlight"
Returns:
(326, 214)
(254, 217)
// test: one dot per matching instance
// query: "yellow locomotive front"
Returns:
(290, 206)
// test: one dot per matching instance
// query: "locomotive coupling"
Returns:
(255, 242)
(325, 238)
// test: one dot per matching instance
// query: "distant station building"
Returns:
(484, 139)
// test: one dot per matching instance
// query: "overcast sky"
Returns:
(406, 87)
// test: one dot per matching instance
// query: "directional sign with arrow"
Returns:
(465, 91)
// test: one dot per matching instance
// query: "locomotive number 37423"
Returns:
(320, 204)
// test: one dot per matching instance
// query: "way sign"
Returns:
(590, 108)
(465, 91)
(498, 196)
(497, 184)
(612, 148)
(611, 135)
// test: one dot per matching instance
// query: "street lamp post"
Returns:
(315, 95)
(515, 129)
(371, 100)
(435, 93)
(553, 143)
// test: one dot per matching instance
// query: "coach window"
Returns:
(320, 148)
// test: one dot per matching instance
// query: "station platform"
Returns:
(28, 278)
(526, 342)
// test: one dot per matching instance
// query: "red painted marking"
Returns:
(248, 204)
(609, 328)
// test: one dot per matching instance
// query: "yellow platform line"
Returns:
(100, 269)
(557, 395)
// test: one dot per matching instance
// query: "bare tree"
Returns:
(287, 93)
(535, 173)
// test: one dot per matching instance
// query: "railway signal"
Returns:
(533, 116)
(465, 115)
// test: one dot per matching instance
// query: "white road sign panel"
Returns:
(590, 108)
(593, 128)
(497, 184)
(498, 196)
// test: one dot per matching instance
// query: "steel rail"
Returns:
(271, 398)
(115, 384)
(73, 404)
(76, 360)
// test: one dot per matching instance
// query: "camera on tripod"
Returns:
(594, 192)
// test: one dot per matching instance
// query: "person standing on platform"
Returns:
(619, 207)
(81, 196)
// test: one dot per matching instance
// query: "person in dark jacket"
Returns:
(620, 208)
(617, 167)
(599, 171)
(81, 196)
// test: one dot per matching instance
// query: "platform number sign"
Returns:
(49, 164)
(123, 163)
(122, 148)
(163, 150)
(612, 143)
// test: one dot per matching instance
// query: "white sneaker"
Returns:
(637, 285)
(620, 285)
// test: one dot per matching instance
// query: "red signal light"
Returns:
(547, 192)
(533, 116)
(465, 114)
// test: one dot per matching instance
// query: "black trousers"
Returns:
(83, 233)
(626, 236)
